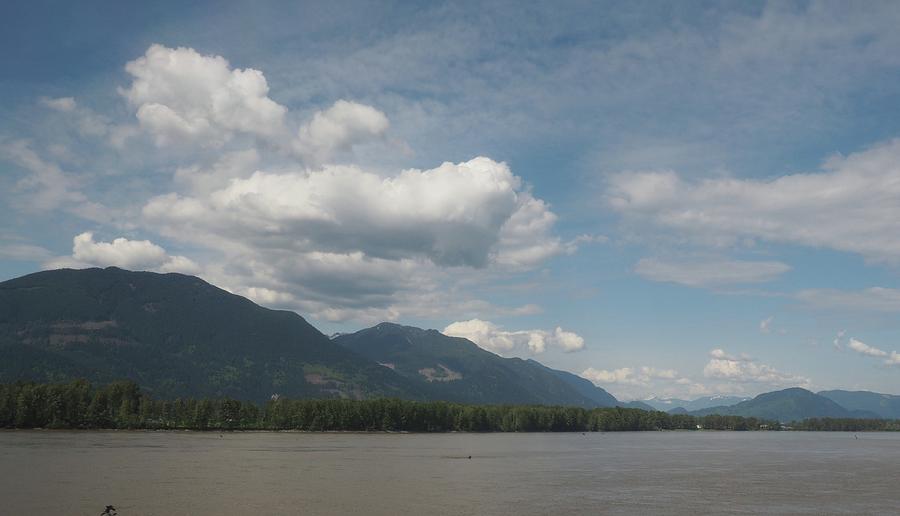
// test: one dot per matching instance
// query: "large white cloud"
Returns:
(332, 240)
(122, 252)
(852, 204)
(452, 215)
(495, 339)
(181, 94)
(265, 197)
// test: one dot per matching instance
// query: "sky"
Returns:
(669, 199)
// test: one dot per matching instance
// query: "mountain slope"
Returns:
(455, 369)
(885, 406)
(583, 386)
(669, 404)
(786, 405)
(174, 335)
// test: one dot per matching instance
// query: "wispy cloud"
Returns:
(709, 273)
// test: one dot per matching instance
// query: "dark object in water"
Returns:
(470, 456)
(109, 511)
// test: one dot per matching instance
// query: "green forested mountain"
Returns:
(174, 335)
(886, 406)
(455, 369)
(792, 404)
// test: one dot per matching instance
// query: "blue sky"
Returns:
(672, 200)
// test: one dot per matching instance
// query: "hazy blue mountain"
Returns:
(636, 404)
(786, 405)
(885, 406)
(455, 369)
(668, 404)
(175, 335)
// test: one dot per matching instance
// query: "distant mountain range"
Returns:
(179, 336)
(787, 405)
(673, 404)
(885, 406)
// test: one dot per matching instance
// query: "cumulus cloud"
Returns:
(122, 252)
(339, 128)
(250, 185)
(452, 215)
(765, 326)
(497, 340)
(889, 358)
(708, 273)
(330, 240)
(745, 369)
(179, 94)
(852, 205)
(518, 247)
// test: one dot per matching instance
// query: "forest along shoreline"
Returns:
(122, 405)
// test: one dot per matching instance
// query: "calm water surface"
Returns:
(171, 473)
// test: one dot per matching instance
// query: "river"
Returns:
(263, 473)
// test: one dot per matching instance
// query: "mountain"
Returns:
(669, 404)
(174, 335)
(885, 406)
(584, 387)
(455, 369)
(637, 405)
(786, 405)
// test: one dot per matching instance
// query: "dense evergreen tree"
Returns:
(78, 404)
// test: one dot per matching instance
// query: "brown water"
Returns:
(169, 473)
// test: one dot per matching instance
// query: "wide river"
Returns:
(170, 473)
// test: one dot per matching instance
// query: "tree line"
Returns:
(122, 405)
(847, 425)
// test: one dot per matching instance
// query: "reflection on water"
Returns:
(169, 473)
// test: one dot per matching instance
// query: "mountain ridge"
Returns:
(457, 369)
(175, 335)
(792, 404)
(178, 336)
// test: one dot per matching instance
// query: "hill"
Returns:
(885, 406)
(456, 369)
(176, 336)
(787, 405)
